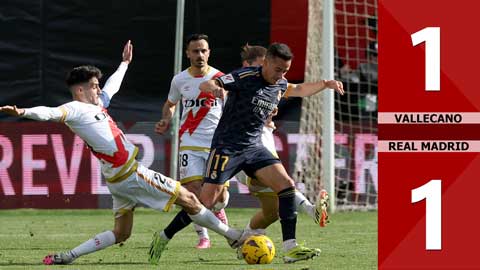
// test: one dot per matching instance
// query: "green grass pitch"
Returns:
(26, 236)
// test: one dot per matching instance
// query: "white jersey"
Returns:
(93, 124)
(106, 141)
(201, 111)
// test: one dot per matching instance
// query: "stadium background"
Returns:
(43, 165)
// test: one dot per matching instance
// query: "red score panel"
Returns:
(446, 215)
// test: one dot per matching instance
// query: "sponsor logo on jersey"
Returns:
(100, 116)
(263, 107)
(227, 79)
(201, 102)
(205, 101)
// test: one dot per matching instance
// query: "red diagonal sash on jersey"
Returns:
(121, 155)
(192, 122)
(218, 74)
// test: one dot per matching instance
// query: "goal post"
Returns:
(328, 108)
(175, 125)
(316, 171)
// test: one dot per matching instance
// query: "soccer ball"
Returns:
(258, 249)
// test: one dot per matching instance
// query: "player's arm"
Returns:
(113, 83)
(167, 114)
(213, 87)
(308, 89)
(169, 107)
(219, 86)
(40, 113)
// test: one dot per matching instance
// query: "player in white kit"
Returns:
(200, 116)
(129, 182)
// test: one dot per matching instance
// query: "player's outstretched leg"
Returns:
(58, 258)
(300, 253)
(205, 218)
(120, 233)
(194, 211)
(100, 241)
(276, 177)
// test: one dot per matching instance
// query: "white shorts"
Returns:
(144, 186)
(192, 165)
(269, 142)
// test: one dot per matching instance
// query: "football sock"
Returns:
(289, 244)
(163, 236)
(207, 219)
(201, 231)
(304, 205)
(180, 221)
(100, 241)
(287, 212)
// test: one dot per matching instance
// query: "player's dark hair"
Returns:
(195, 37)
(280, 50)
(251, 53)
(82, 74)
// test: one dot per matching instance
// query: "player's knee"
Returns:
(288, 182)
(209, 203)
(188, 201)
(209, 195)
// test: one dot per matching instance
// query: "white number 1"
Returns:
(431, 36)
(432, 192)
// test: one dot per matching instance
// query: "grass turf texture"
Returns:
(26, 236)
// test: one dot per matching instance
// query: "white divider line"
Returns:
(428, 146)
(429, 118)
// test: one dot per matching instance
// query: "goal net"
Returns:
(355, 44)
